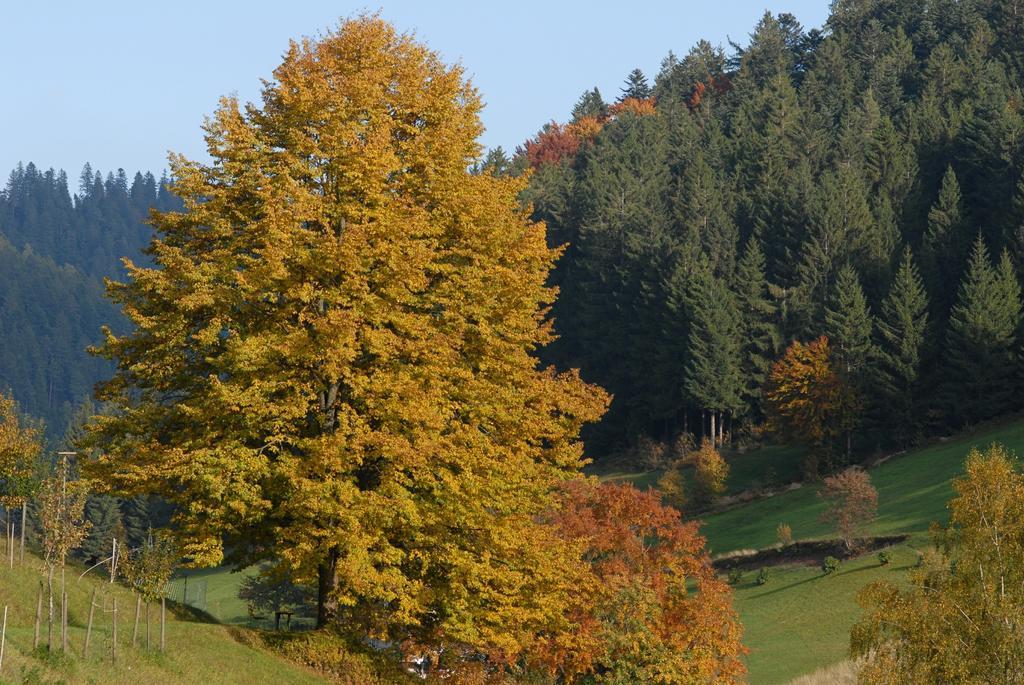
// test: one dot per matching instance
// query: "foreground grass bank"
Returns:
(197, 651)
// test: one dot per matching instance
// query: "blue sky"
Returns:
(119, 84)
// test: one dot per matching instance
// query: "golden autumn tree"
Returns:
(20, 447)
(961, 619)
(650, 608)
(807, 399)
(332, 356)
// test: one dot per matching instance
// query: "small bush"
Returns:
(710, 475)
(785, 534)
(884, 557)
(673, 489)
(650, 454)
(829, 565)
(762, 575)
(735, 576)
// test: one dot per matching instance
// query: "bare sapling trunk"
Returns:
(64, 622)
(163, 622)
(24, 518)
(39, 618)
(49, 616)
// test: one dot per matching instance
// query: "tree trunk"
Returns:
(49, 617)
(327, 583)
(24, 517)
(64, 622)
(714, 435)
(39, 617)
(163, 622)
(148, 632)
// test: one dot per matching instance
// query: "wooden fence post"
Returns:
(3, 639)
(88, 628)
(113, 641)
(135, 629)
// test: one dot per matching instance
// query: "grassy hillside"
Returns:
(800, 620)
(197, 652)
(912, 492)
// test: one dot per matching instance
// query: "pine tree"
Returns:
(849, 326)
(635, 87)
(943, 244)
(590, 104)
(841, 232)
(761, 339)
(137, 520)
(902, 331)
(104, 516)
(980, 342)
(714, 373)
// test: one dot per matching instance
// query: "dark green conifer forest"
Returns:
(861, 181)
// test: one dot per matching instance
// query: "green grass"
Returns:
(213, 590)
(800, 620)
(912, 492)
(197, 651)
(765, 466)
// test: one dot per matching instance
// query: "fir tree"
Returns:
(902, 331)
(849, 326)
(714, 373)
(590, 104)
(104, 516)
(760, 334)
(980, 342)
(635, 87)
(943, 245)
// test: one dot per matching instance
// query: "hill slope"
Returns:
(800, 620)
(197, 652)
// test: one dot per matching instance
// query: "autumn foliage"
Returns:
(959, 622)
(653, 609)
(710, 472)
(807, 398)
(636, 106)
(554, 143)
(332, 363)
(558, 142)
(852, 503)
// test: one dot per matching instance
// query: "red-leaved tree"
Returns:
(654, 610)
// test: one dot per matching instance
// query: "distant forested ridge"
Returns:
(862, 182)
(55, 249)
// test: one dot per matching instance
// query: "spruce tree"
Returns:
(943, 245)
(636, 86)
(590, 104)
(841, 232)
(902, 331)
(849, 326)
(761, 339)
(714, 377)
(104, 516)
(981, 337)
